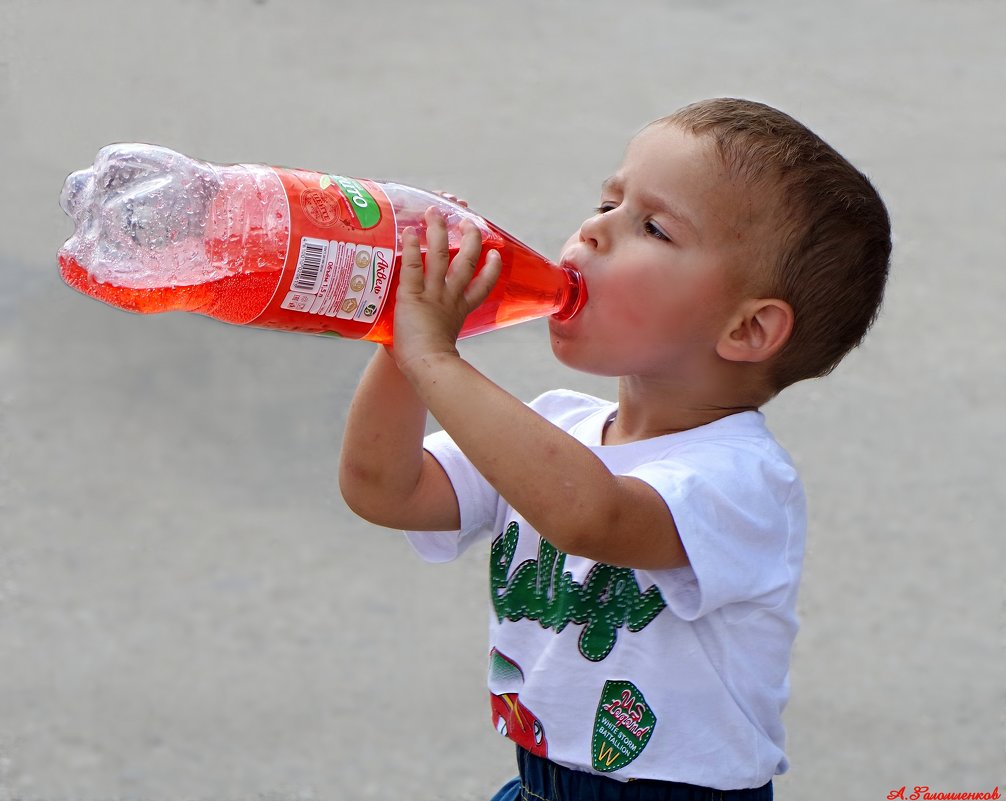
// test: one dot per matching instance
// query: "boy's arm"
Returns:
(558, 485)
(385, 475)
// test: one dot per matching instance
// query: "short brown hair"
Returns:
(834, 246)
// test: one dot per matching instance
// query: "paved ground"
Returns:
(187, 610)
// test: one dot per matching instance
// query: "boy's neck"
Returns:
(651, 408)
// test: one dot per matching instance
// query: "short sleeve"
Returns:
(740, 514)
(477, 504)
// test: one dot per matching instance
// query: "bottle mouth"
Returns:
(576, 298)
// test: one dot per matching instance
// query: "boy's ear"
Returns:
(758, 332)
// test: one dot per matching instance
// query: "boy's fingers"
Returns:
(437, 249)
(411, 277)
(464, 264)
(482, 284)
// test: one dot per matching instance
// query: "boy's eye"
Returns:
(649, 226)
(654, 231)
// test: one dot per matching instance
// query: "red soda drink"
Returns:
(270, 247)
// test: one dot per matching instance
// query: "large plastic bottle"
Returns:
(253, 245)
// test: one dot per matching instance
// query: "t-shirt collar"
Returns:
(748, 423)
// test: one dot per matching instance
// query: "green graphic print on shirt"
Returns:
(539, 589)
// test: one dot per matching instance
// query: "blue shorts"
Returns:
(541, 780)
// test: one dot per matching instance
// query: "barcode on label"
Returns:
(313, 252)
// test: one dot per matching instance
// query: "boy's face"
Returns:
(663, 260)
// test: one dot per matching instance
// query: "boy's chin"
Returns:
(562, 346)
(570, 353)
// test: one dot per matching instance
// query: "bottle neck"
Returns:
(576, 296)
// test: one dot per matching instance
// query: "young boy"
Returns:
(646, 553)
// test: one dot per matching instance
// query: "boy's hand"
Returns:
(432, 304)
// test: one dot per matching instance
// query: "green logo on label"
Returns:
(366, 209)
(623, 726)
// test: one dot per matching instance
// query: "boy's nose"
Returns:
(592, 231)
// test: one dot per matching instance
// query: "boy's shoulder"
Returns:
(741, 443)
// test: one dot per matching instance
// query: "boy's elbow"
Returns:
(395, 498)
(357, 487)
(369, 496)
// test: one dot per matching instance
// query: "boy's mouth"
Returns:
(570, 264)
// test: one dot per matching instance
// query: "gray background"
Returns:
(188, 610)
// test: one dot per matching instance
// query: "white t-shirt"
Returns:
(679, 675)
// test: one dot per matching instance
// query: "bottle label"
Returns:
(341, 258)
